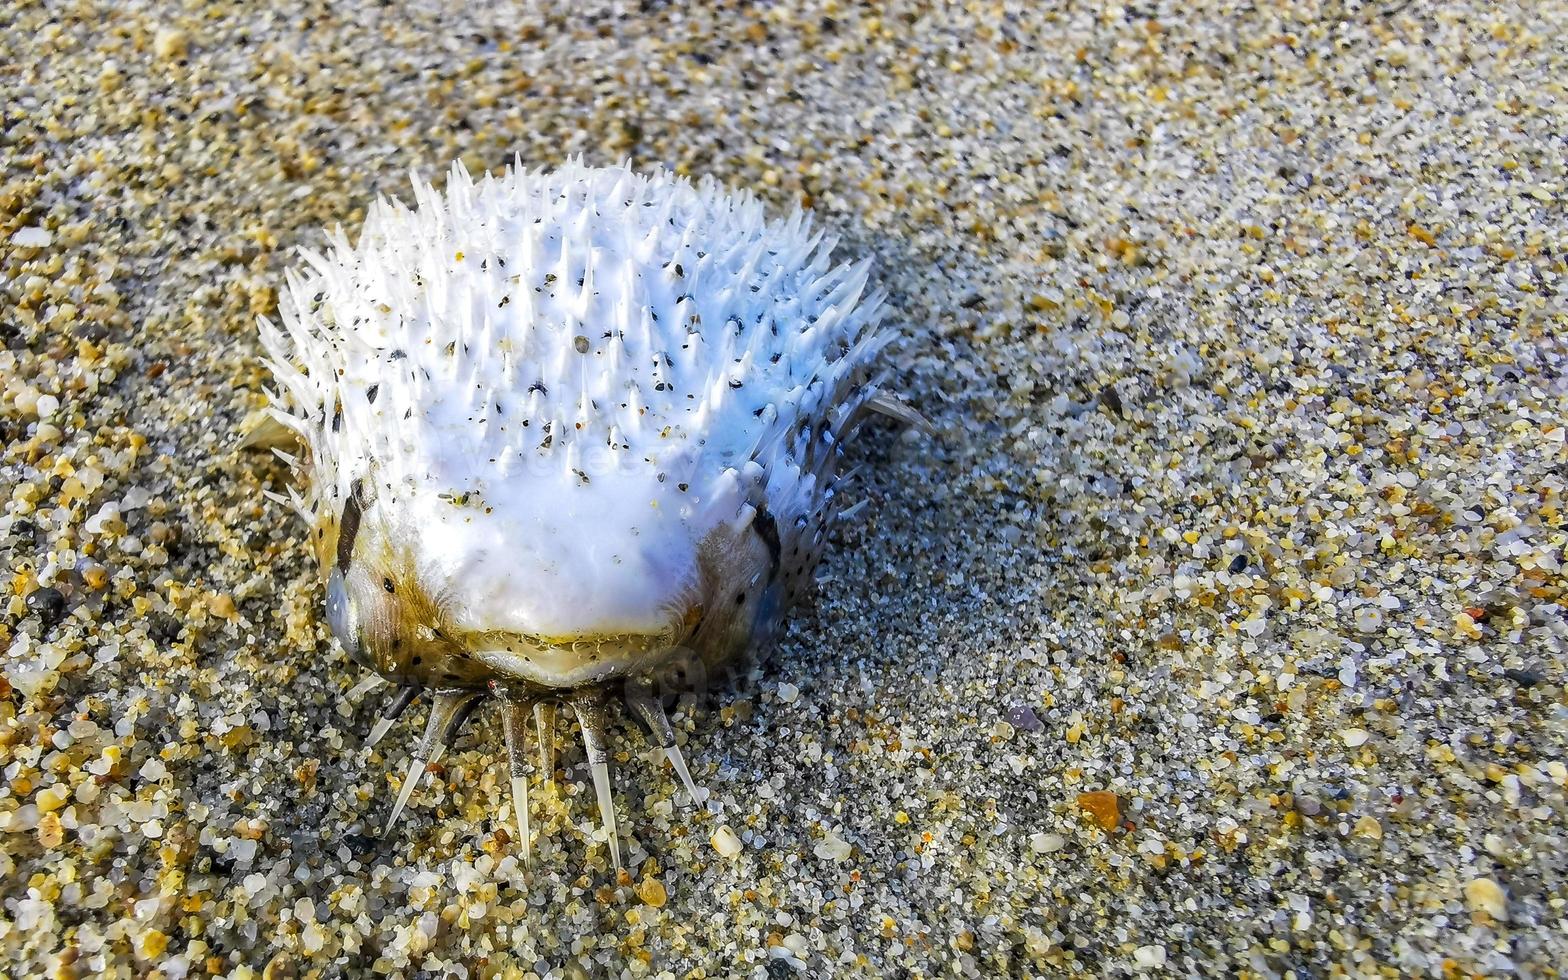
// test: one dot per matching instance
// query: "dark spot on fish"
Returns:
(768, 530)
(348, 525)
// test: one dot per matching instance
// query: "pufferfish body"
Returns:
(567, 434)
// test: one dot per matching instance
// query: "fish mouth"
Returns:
(577, 661)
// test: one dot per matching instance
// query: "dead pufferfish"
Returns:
(566, 435)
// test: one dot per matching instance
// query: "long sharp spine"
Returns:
(394, 710)
(589, 707)
(447, 714)
(642, 701)
(416, 769)
(456, 708)
(544, 720)
(514, 719)
(673, 752)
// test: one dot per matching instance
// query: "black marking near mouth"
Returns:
(348, 525)
(768, 531)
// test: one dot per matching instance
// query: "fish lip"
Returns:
(573, 661)
(559, 665)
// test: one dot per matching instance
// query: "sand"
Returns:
(1218, 629)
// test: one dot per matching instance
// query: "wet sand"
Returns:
(1219, 628)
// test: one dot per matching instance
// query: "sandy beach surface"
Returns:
(1219, 629)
